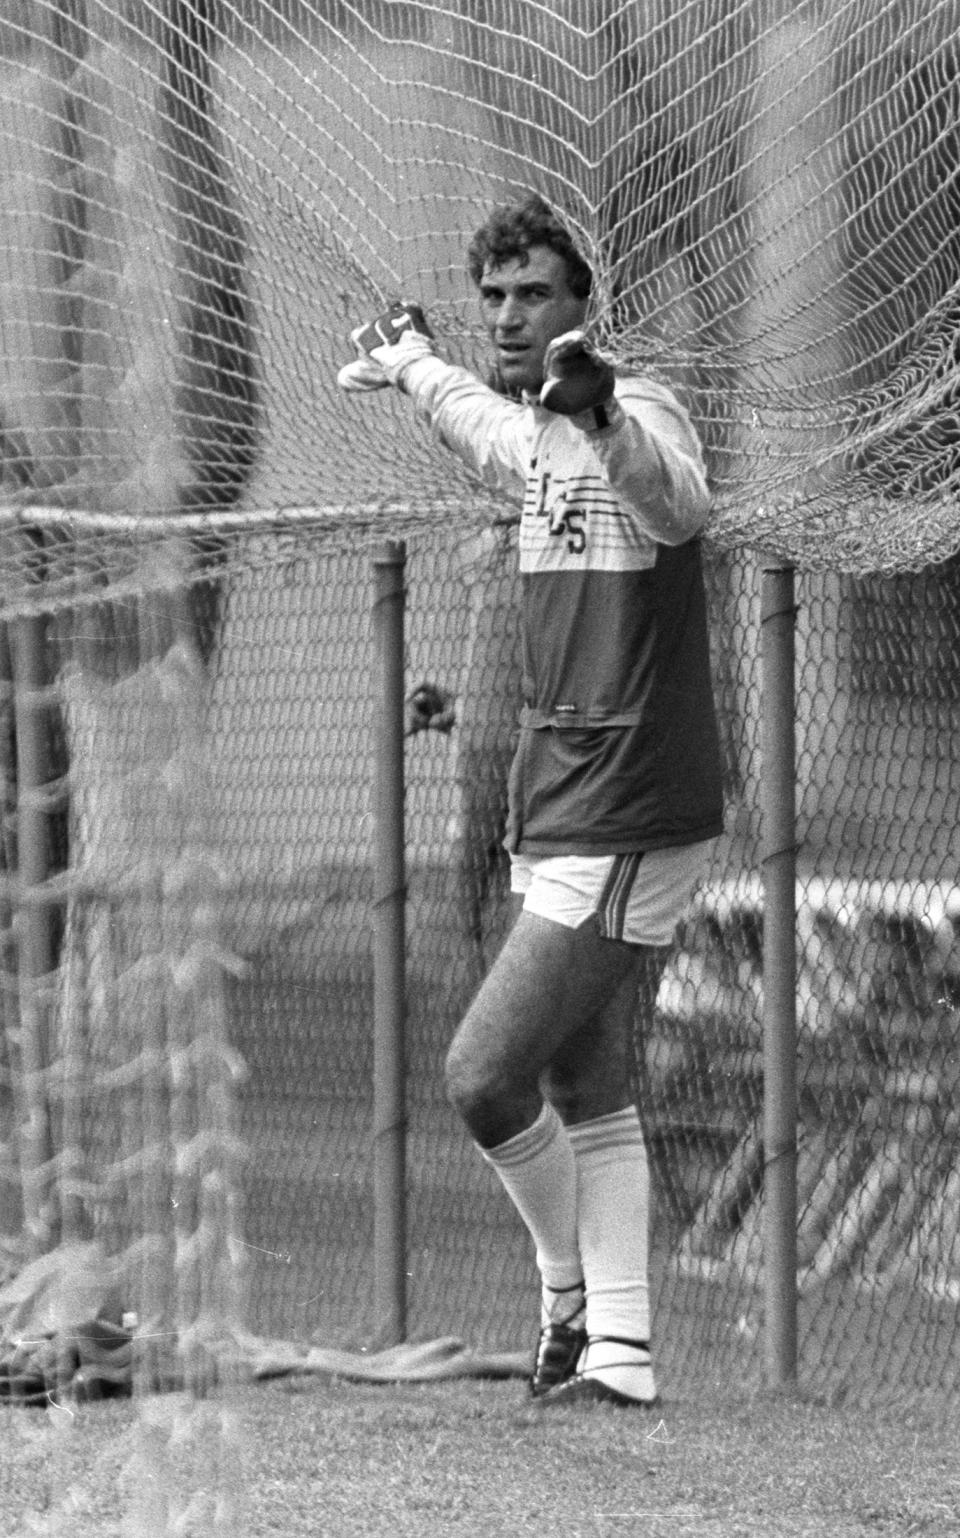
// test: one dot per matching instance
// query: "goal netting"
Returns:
(201, 198)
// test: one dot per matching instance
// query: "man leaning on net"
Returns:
(614, 789)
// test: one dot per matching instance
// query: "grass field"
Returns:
(470, 1459)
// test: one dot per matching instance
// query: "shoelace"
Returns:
(559, 1292)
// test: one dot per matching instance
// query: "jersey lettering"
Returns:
(571, 522)
(563, 521)
(579, 520)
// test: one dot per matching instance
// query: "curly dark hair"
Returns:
(510, 231)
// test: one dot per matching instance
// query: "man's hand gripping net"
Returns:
(578, 378)
(383, 344)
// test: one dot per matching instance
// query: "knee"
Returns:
(470, 1084)
(493, 1109)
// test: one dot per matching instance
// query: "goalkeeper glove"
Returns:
(361, 376)
(385, 346)
(389, 327)
(396, 338)
(577, 377)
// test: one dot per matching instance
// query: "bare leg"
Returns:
(556, 1020)
(553, 996)
(589, 1075)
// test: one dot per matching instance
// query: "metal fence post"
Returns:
(389, 984)
(35, 951)
(779, 977)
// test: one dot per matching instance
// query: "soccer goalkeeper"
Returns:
(615, 788)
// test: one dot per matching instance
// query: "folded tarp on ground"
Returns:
(63, 1333)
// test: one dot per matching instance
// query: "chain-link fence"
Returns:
(878, 966)
(200, 200)
(288, 746)
(250, 786)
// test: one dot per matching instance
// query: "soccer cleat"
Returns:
(624, 1381)
(583, 1390)
(558, 1351)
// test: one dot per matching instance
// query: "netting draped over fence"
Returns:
(200, 199)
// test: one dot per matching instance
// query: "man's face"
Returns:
(524, 306)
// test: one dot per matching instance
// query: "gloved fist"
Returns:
(389, 327)
(386, 345)
(361, 376)
(577, 377)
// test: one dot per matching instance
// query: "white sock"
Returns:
(537, 1171)
(613, 1185)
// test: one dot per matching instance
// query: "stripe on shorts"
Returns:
(615, 897)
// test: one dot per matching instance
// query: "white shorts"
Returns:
(640, 898)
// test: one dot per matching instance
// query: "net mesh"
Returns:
(200, 200)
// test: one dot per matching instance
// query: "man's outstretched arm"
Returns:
(476, 424)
